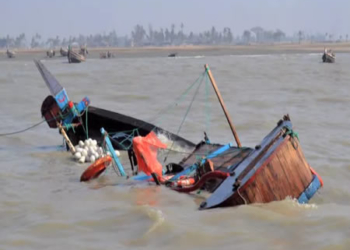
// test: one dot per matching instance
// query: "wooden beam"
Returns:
(222, 105)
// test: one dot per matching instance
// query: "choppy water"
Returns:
(44, 206)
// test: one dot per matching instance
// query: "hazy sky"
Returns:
(73, 17)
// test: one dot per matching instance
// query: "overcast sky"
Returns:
(73, 17)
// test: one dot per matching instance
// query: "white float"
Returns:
(88, 151)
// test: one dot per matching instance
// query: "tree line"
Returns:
(141, 36)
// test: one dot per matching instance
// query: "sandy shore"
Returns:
(220, 49)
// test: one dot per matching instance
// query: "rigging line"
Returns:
(158, 115)
(178, 99)
(184, 118)
(33, 126)
(23, 130)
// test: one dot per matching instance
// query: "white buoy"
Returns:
(97, 155)
(117, 152)
(82, 159)
(81, 144)
(92, 158)
(84, 152)
(77, 155)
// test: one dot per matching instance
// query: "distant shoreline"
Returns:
(224, 49)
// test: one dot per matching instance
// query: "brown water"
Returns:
(44, 206)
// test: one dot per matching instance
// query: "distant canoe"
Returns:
(10, 54)
(172, 55)
(328, 56)
(74, 57)
(63, 52)
(50, 53)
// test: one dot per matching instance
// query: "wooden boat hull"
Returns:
(74, 57)
(11, 54)
(121, 125)
(276, 169)
(328, 58)
(50, 53)
(63, 52)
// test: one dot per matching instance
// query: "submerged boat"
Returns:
(80, 120)
(10, 53)
(328, 56)
(63, 52)
(272, 171)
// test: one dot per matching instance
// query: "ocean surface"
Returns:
(44, 206)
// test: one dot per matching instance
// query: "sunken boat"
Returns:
(81, 121)
(328, 56)
(233, 175)
(10, 53)
(63, 52)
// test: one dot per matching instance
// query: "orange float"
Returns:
(318, 176)
(96, 168)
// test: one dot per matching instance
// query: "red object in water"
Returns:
(96, 168)
(145, 149)
(200, 183)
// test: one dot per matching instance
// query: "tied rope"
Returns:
(185, 116)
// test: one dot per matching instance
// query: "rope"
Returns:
(292, 133)
(86, 122)
(178, 99)
(23, 130)
(184, 118)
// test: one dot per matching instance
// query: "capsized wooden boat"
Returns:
(272, 171)
(328, 56)
(50, 53)
(63, 52)
(74, 57)
(81, 120)
(10, 53)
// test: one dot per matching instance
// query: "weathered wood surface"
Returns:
(285, 173)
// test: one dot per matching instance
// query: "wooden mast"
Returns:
(222, 105)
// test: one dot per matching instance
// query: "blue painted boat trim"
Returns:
(62, 99)
(113, 154)
(310, 191)
(192, 168)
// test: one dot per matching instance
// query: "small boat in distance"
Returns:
(63, 52)
(50, 53)
(83, 51)
(172, 55)
(328, 56)
(10, 54)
